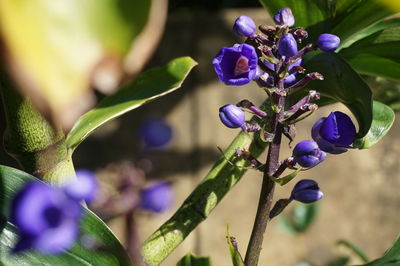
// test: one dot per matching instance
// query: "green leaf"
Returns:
(382, 120)
(286, 179)
(61, 45)
(343, 84)
(369, 64)
(356, 250)
(300, 217)
(376, 54)
(357, 15)
(193, 260)
(381, 25)
(390, 258)
(146, 87)
(311, 14)
(112, 252)
(339, 261)
(223, 176)
(235, 254)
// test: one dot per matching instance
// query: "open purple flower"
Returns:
(307, 153)
(284, 17)
(244, 26)
(306, 191)
(155, 132)
(236, 65)
(47, 220)
(232, 116)
(84, 187)
(157, 198)
(335, 133)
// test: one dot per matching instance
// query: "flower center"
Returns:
(242, 66)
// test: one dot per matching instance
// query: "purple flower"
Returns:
(284, 17)
(155, 132)
(306, 191)
(244, 26)
(47, 220)
(157, 198)
(328, 42)
(287, 45)
(84, 187)
(236, 65)
(334, 133)
(232, 116)
(307, 153)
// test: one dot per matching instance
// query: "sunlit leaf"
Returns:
(234, 252)
(57, 50)
(382, 120)
(193, 260)
(146, 87)
(390, 258)
(344, 85)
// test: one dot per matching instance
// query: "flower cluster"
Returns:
(48, 217)
(271, 57)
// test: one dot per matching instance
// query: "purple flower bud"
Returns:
(155, 132)
(284, 17)
(232, 116)
(328, 42)
(84, 187)
(292, 78)
(46, 218)
(307, 153)
(334, 133)
(244, 26)
(287, 45)
(236, 65)
(306, 191)
(157, 198)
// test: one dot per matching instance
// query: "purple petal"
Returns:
(84, 187)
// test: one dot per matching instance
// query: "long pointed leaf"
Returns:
(146, 87)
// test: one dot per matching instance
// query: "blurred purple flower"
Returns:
(244, 26)
(84, 187)
(232, 116)
(306, 191)
(307, 153)
(335, 133)
(155, 132)
(47, 220)
(157, 198)
(236, 65)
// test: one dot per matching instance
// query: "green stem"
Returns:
(32, 141)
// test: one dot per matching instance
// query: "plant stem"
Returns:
(32, 141)
(132, 245)
(268, 186)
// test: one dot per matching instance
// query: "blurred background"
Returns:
(361, 200)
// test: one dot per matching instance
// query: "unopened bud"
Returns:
(244, 26)
(232, 116)
(284, 17)
(328, 42)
